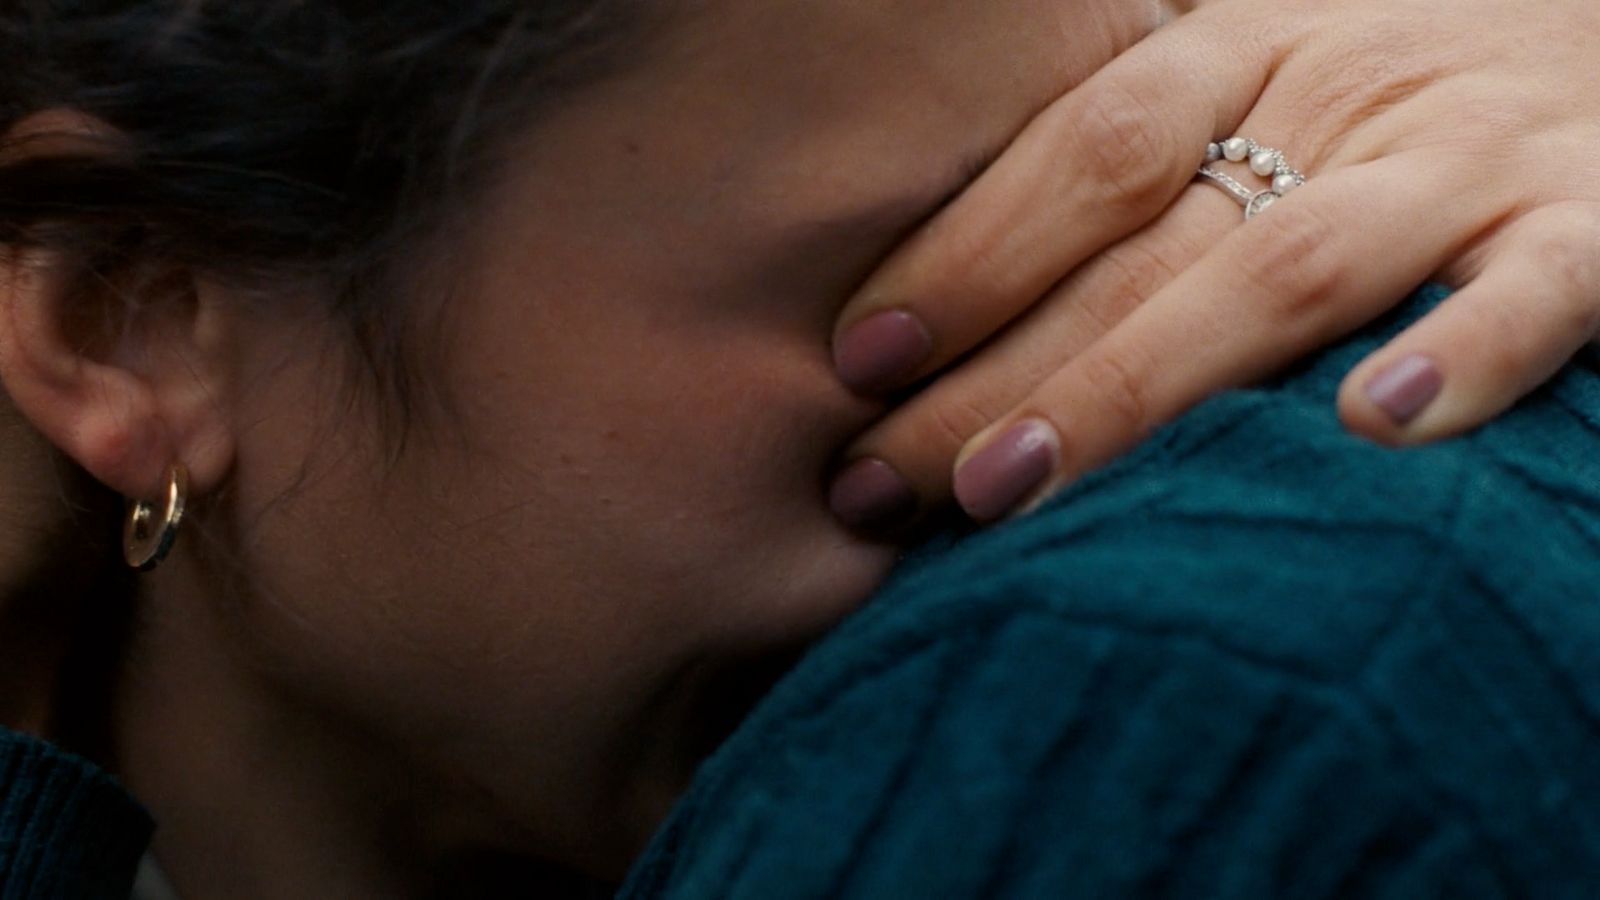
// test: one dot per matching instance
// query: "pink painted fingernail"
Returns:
(882, 352)
(1405, 388)
(1014, 465)
(870, 495)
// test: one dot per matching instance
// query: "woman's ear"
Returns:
(126, 373)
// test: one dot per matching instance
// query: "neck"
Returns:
(260, 794)
(253, 799)
(57, 538)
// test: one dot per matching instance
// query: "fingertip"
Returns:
(1357, 414)
(1362, 419)
(1403, 389)
(1394, 399)
(1001, 469)
(870, 495)
(882, 352)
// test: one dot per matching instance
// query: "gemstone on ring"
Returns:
(1259, 203)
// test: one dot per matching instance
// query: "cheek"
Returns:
(687, 444)
(618, 497)
(733, 429)
(666, 459)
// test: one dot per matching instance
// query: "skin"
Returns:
(43, 557)
(522, 632)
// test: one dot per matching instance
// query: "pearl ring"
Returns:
(1264, 161)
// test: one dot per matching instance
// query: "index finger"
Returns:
(1093, 167)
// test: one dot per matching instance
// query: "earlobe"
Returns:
(123, 400)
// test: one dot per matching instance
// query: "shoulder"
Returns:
(66, 828)
(1028, 752)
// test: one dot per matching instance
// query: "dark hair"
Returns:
(269, 141)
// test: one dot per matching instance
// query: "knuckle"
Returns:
(1118, 391)
(1133, 274)
(1569, 258)
(1120, 281)
(1509, 347)
(1508, 342)
(957, 255)
(947, 425)
(1126, 148)
(1298, 265)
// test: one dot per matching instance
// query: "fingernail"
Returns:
(881, 352)
(1011, 467)
(869, 495)
(1406, 388)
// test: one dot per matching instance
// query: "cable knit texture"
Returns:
(67, 831)
(1256, 658)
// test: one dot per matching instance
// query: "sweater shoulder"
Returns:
(67, 829)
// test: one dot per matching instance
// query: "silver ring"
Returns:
(1263, 161)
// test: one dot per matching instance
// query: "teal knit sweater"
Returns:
(1256, 658)
(67, 831)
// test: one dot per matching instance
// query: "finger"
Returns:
(1092, 168)
(902, 465)
(1536, 303)
(1271, 290)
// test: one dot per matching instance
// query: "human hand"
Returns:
(1458, 142)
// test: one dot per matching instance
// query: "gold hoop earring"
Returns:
(146, 540)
